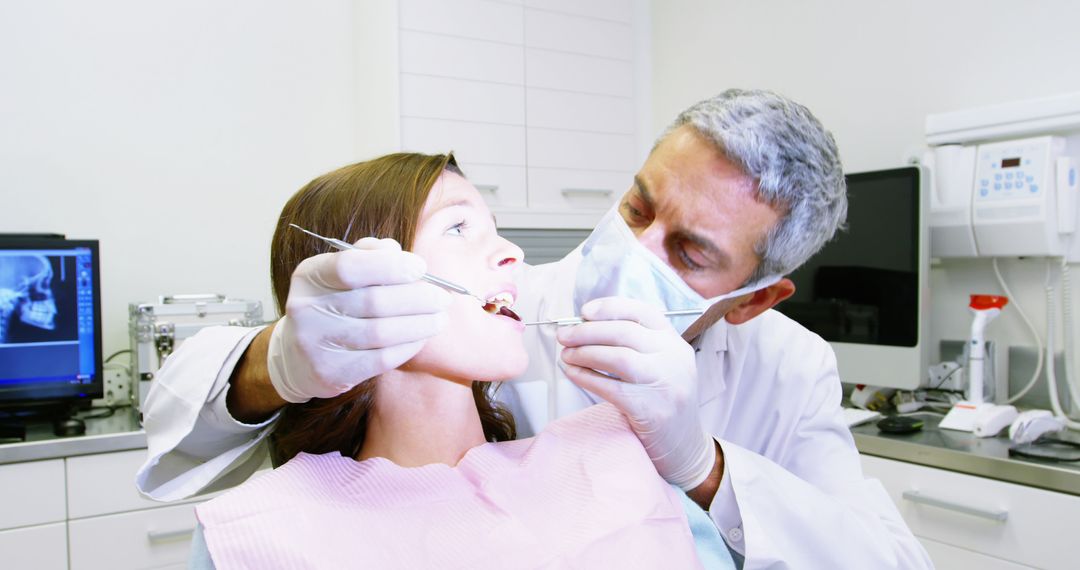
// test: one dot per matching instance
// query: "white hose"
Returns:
(1034, 333)
(1070, 366)
(1051, 376)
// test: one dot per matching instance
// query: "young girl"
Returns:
(418, 468)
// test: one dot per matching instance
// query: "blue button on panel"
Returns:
(997, 186)
(997, 176)
(1030, 179)
(1019, 174)
(983, 192)
(1008, 176)
(1019, 184)
(1034, 188)
(1008, 185)
(984, 182)
(1072, 177)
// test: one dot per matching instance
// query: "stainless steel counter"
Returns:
(119, 432)
(964, 453)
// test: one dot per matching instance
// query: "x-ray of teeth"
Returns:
(26, 293)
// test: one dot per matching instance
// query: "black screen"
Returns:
(863, 286)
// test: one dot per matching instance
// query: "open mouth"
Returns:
(500, 304)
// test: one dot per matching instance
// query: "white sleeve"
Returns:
(194, 445)
(812, 507)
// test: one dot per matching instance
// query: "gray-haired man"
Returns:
(739, 407)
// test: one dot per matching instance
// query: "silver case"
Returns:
(157, 329)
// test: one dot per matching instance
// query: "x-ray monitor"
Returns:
(50, 320)
(866, 291)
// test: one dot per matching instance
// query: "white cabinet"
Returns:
(140, 539)
(538, 100)
(41, 547)
(963, 514)
(32, 493)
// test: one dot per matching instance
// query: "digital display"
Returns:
(1010, 162)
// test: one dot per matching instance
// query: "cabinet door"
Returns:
(105, 483)
(31, 493)
(946, 557)
(39, 547)
(1002, 520)
(141, 539)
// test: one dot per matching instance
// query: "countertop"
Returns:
(964, 453)
(118, 432)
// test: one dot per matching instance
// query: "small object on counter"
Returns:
(900, 425)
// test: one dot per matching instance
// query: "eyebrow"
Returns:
(460, 202)
(722, 259)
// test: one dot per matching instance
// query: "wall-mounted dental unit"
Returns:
(1005, 179)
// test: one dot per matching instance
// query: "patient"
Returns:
(418, 468)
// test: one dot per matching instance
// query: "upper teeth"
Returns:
(505, 298)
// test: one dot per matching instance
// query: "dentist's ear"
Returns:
(758, 302)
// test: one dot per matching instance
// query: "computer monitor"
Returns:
(50, 321)
(867, 290)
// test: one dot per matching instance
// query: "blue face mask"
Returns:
(615, 264)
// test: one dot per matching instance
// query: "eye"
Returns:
(687, 260)
(633, 214)
(457, 229)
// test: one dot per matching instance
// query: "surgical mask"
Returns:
(614, 263)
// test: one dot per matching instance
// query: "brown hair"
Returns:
(383, 198)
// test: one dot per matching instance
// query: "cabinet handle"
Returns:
(167, 535)
(493, 188)
(919, 498)
(601, 191)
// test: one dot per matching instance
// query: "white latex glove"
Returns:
(352, 315)
(654, 383)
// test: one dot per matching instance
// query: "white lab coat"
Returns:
(792, 494)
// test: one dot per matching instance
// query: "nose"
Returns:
(506, 253)
(652, 237)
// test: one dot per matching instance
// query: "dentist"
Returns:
(740, 407)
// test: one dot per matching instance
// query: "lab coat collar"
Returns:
(710, 349)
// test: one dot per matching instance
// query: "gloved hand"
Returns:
(653, 382)
(350, 316)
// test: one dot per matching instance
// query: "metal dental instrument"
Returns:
(566, 321)
(449, 286)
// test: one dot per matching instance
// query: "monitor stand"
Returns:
(65, 424)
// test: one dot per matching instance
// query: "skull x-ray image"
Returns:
(34, 290)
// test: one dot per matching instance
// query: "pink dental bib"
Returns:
(582, 494)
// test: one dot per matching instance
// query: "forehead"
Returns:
(450, 190)
(689, 168)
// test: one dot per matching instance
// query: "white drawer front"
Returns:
(1036, 532)
(581, 112)
(423, 96)
(477, 19)
(501, 186)
(105, 483)
(31, 493)
(444, 56)
(618, 10)
(946, 557)
(39, 547)
(556, 189)
(587, 36)
(579, 73)
(142, 539)
(550, 148)
(473, 142)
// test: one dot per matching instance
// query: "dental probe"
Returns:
(565, 321)
(344, 245)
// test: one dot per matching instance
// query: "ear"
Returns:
(760, 301)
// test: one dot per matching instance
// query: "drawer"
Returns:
(555, 189)
(947, 557)
(141, 539)
(104, 483)
(475, 19)
(575, 34)
(445, 56)
(1036, 530)
(423, 96)
(32, 493)
(617, 10)
(474, 143)
(580, 111)
(578, 73)
(39, 547)
(549, 148)
(501, 186)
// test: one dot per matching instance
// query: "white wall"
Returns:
(175, 131)
(872, 71)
